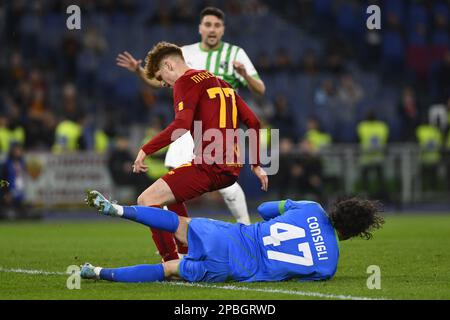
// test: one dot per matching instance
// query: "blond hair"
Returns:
(160, 51)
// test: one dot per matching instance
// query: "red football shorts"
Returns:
(191, 180)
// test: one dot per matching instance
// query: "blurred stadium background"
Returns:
(359, 111)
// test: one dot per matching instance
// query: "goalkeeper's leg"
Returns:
(139, 273)
(157, 218)
(152, 217)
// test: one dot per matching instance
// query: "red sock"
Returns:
(181, 210)
(165, 244)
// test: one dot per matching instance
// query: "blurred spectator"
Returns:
(30, 27)
(93, 137)
(39, 122)
(156, 161)
(335, 51)
(325, 95)
(409, 111)
(70, 105)
(280, 179)
(430, 142)
(283, 61)
(310, 63)
(306, 178)
(4, 135)
(264, 63)
(300, 172)
(184, 12)
(120, 165)
(14, 72)
(256, 7)
(94, 47)
(346, 17)
(334, 63)
(24, 95)
(11, 131)
(147, 104)
(417, 55)
(283, 118)
(94, 41)
(349, 92)
(70, 49)
(370, 53)
(373, 136)
(40, 132)
(440, 36)
(16, 128)
(393, 50)
(69, 134)
(443, 78)
(163, 15)
(316, 138)
(14, 171)
(127, 6)
(38, 104)
(14, 14)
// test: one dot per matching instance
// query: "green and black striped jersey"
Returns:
(220, 61)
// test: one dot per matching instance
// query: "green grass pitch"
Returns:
(412, 251)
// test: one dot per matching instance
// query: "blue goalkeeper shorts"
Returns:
(207, 259)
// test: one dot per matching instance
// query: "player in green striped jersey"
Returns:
(224, 60)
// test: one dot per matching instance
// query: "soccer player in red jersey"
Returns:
(198, 96)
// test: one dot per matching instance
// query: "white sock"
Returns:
(97, 271)
(235, 199)
(119, 209)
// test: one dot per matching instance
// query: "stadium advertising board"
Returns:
(61, 179)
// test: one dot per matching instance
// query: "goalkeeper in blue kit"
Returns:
(296, 240)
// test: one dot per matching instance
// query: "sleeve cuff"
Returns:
(281, 209)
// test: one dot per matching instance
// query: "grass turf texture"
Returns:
(412, 252)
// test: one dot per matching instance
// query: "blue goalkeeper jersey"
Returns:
(297, 240)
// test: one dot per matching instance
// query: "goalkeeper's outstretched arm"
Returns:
(271, 209)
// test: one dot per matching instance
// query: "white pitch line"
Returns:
(269, 290)
(209, 286)
(38, 272)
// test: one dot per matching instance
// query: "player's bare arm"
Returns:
(139, 165)
(261, 174)
(127, 61)
(254, 84)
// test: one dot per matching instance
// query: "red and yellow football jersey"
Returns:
(207, 103)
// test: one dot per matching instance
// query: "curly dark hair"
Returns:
(356, 217)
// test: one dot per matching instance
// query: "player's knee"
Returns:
(141, 200)
(171, 268)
